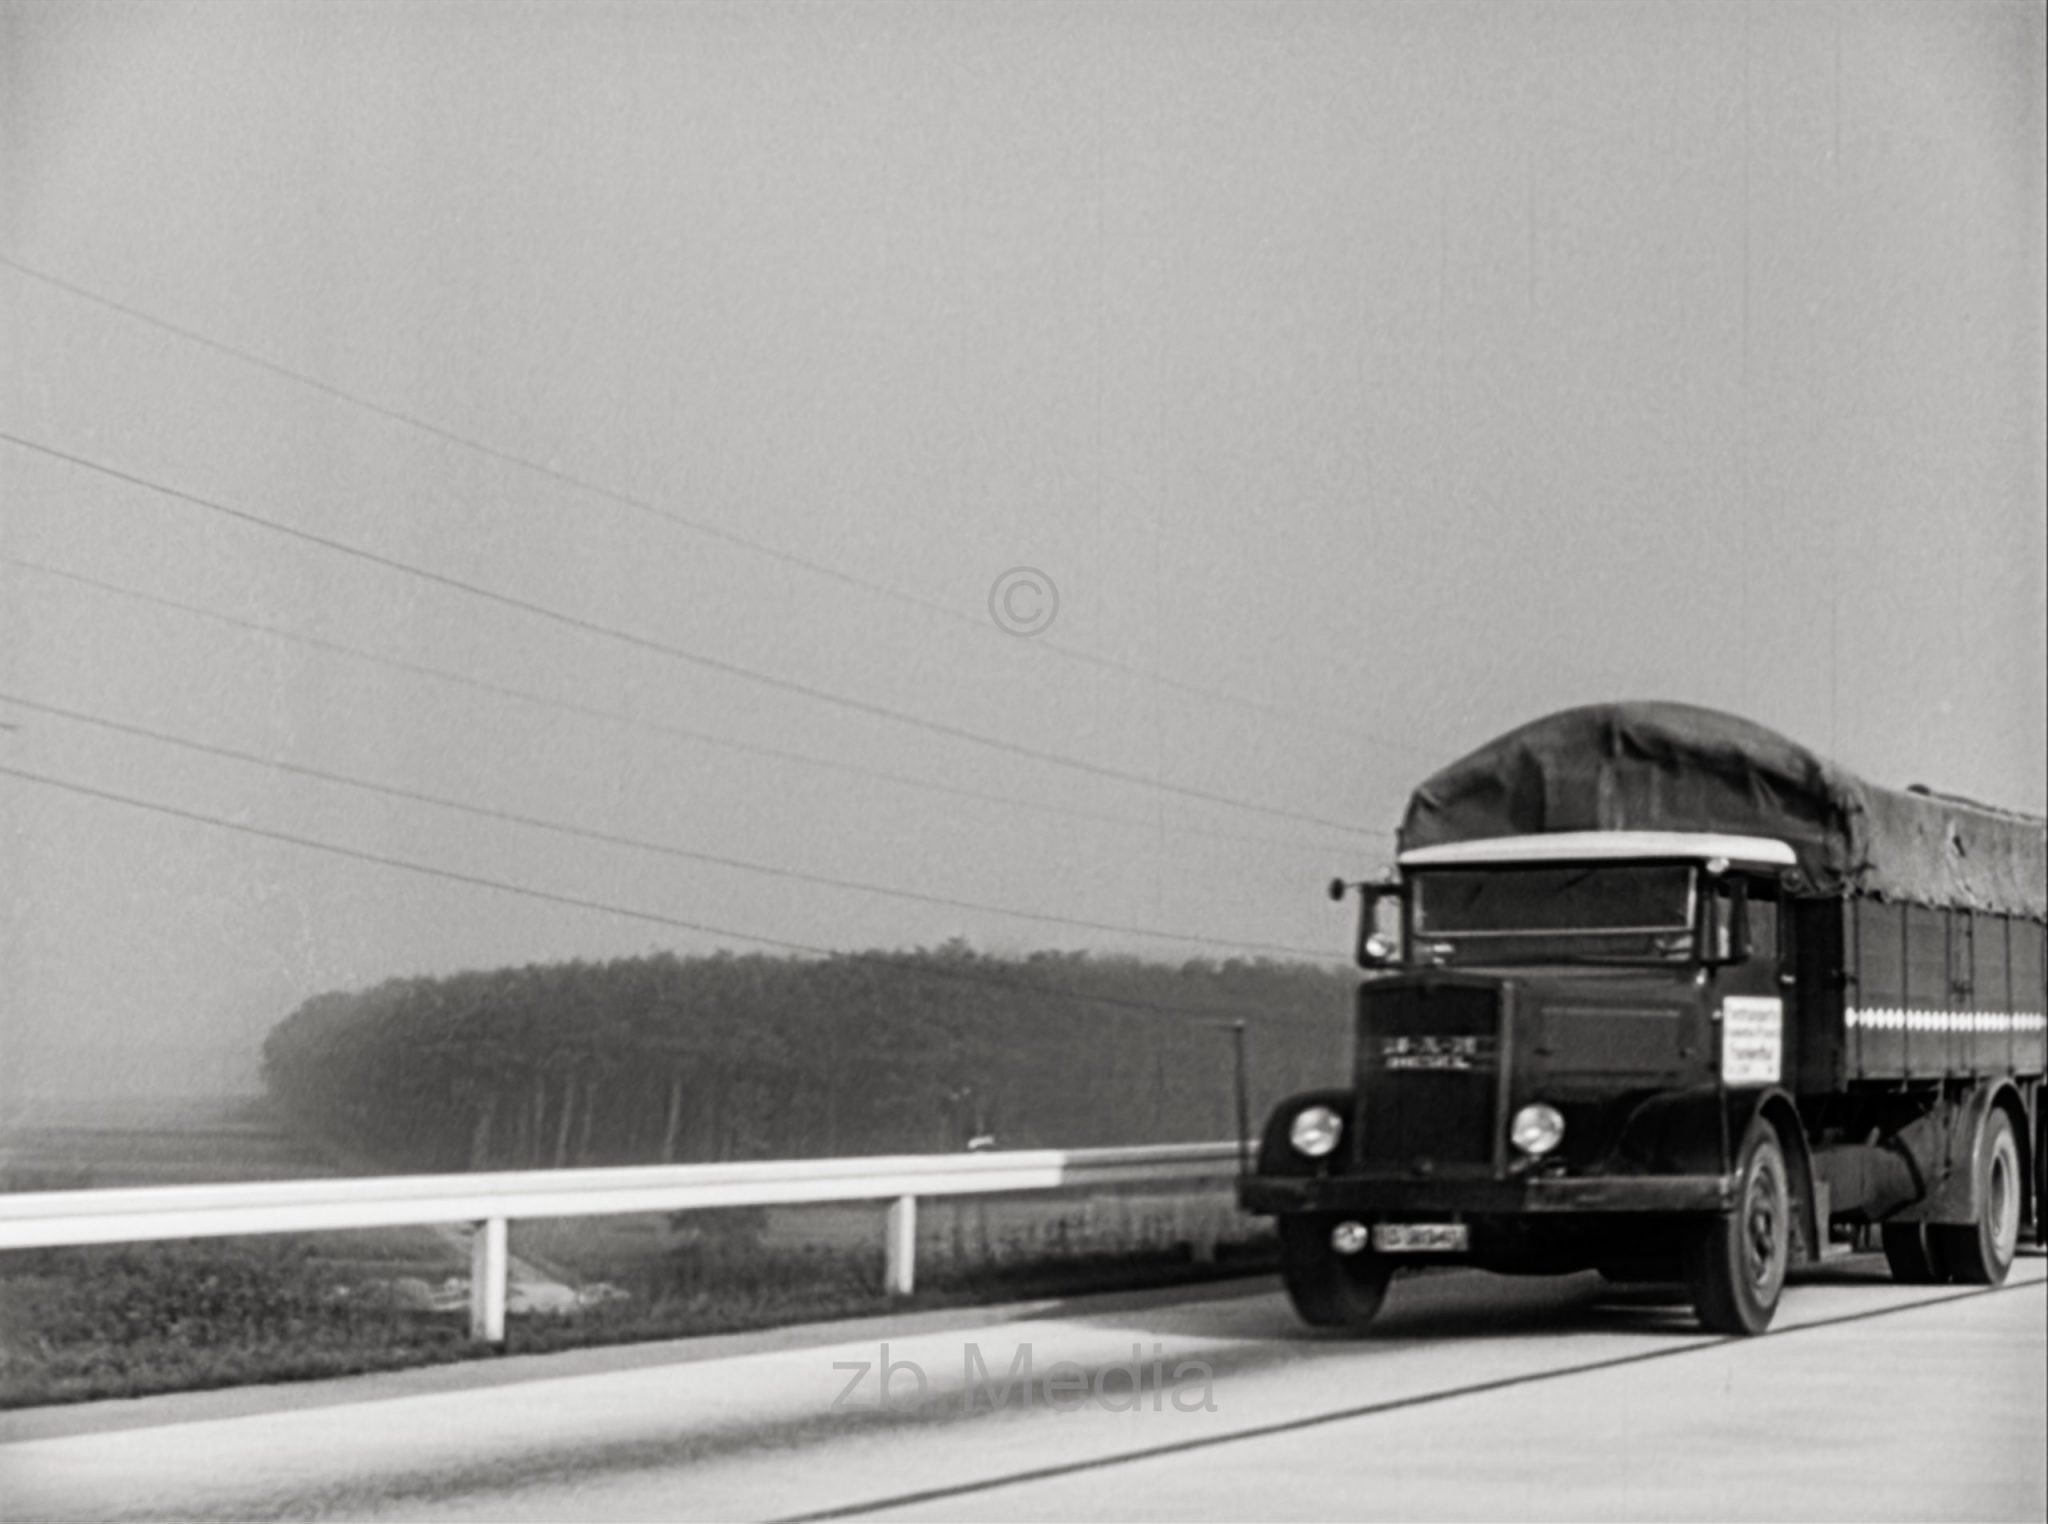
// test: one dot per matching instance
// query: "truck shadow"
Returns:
(1463, 1304)
(1435, 1306)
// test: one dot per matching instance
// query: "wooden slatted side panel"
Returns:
(1990, 1035)
(1930, 991)
(1938, 993)
(2029, 996)
(1878, 948)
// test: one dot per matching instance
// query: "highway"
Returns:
(1477, 1397)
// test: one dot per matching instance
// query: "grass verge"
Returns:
(80, 1325)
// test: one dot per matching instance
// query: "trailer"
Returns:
(1659, 992)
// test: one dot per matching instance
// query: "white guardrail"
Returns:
(56, 1219)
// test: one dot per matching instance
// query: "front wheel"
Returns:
(1735, 1265)
(1328, 1289)
(1980, 1253)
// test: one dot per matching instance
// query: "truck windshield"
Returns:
(1622, 911)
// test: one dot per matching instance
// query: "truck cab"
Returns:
(1613, 957)
(1547, 1040)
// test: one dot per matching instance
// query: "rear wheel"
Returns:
(1735, 1265)
(1328, 1289)
(2040, 1169)
(1980, 1253)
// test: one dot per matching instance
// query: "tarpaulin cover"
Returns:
(1675, 767)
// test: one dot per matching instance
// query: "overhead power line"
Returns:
(642, 722)
(605, 907)
(665, 648)
(634, 843)
(687, 522)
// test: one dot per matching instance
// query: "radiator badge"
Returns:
(1453, 1053)
(1752, 1040)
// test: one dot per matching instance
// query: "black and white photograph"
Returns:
(1074, 760)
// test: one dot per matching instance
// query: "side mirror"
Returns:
(1378, 944)
(1728, 944)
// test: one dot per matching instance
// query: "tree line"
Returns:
(661, 1058)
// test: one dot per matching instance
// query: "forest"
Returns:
(661, 1058)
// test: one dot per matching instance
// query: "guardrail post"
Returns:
(489, 1267)
(1208, 1229)
(899, 1270)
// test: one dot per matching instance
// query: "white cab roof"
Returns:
(1603, 846)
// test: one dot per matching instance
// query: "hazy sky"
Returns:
(1376, 376)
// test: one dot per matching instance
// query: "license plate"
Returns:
(1421, 1237)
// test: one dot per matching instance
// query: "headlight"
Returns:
(1538, 1129)
(1315, 1131)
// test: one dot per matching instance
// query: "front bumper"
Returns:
(1280, 1195)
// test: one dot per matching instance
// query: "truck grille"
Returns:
(1428, 1074)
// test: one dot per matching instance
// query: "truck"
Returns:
(1657, 992)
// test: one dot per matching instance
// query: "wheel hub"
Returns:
(1763, 1236)
(2001, 1207)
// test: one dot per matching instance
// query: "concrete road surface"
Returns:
(1477, 1397)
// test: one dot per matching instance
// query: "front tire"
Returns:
(1736, 1264)
(1980, 1253)
(1328, 1289)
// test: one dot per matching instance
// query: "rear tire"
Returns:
(1980, 1253)
(1735, 1265)
(1912, 1253)
(1328, 1289)
(2040, 1168)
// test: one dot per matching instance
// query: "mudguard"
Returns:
(1697, 1131)
(1944, 1150)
